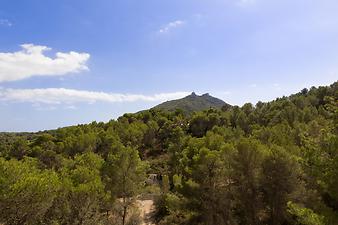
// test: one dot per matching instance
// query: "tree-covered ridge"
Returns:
(273, 163)
(193, 103)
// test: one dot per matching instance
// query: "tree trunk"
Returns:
(124, 215)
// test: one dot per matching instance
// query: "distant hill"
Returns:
(192, 103)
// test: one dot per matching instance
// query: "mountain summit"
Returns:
(192, 103)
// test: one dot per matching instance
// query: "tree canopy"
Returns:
(273, 163)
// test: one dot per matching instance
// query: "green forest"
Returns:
(273, 163)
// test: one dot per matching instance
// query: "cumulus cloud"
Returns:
(55, 96)
(5, 23)
(31, 61)
(170, 26)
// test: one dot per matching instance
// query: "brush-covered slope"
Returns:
(192, 103)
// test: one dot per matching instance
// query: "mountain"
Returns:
(192, 103)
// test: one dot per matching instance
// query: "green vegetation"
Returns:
(274, 163)
(192, 103)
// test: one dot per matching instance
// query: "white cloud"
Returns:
(5, 23)
(55, 96)
(71, 107)
(170, 26)
(31, 61)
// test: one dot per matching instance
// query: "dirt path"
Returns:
(147, 208)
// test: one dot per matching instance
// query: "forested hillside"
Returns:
(273, 163)
(193, 103)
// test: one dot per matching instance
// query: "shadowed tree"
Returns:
(279, 179)
(124, 174)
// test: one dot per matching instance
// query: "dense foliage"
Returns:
(273, 163)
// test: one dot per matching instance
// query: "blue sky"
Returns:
(69, 61)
